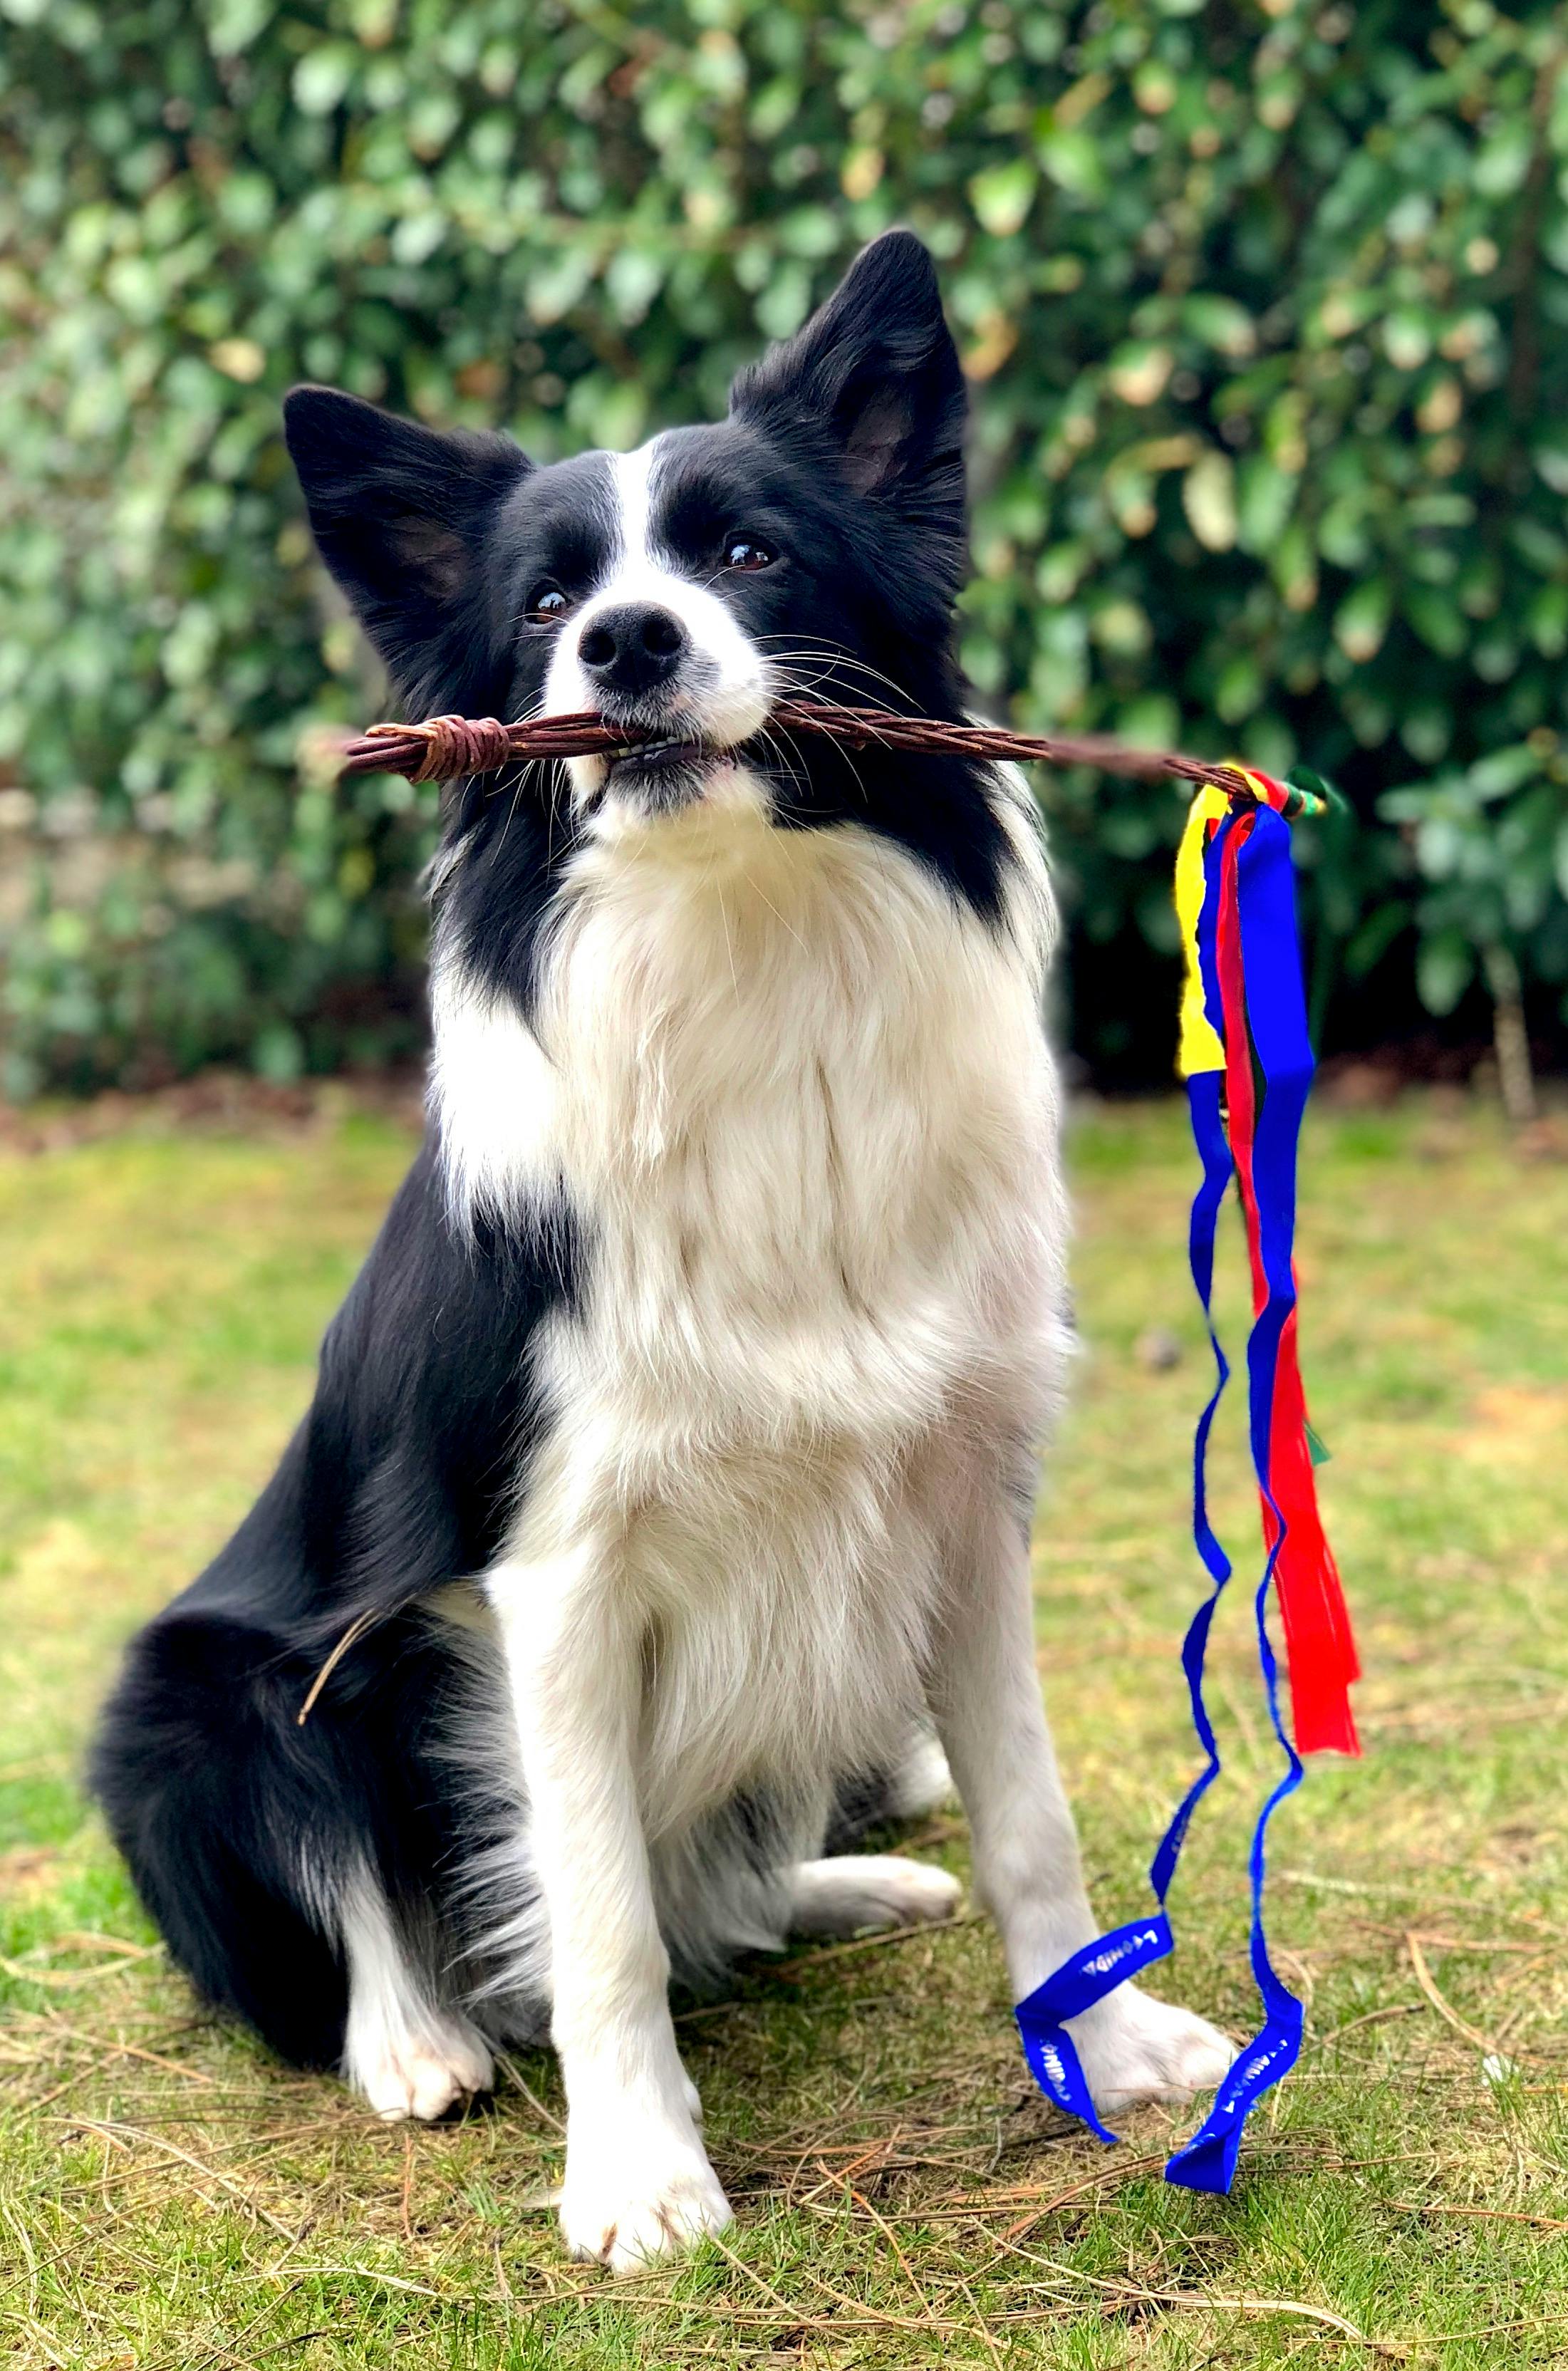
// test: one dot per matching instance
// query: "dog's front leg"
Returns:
(637, 2181)
(986, 1698)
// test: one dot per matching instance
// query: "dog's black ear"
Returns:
(876, 365)
(400, 514)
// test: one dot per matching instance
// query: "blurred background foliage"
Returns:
(1264, 308)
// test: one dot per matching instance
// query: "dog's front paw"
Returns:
(418, 2071)
(1133, 2047)
(631, 2196)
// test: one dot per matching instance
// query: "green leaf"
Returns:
(784, 302)
(323, 76)
(1504, 771)
(1503, 159)
(1072, 160)
(1240, 687)
(633, 278)
(811, 231)
(1265, 498)
(556, 284)
(231, 25)
(1362, 619)
(1436, 619)
(1220, 322)
(1407, 338)
(1002, 196)
(1208, 497)
(1550, 457)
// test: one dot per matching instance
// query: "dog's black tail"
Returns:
(240, 1825)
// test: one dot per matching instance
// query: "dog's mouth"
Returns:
(682, 760)
(660, 776)
(660, 760)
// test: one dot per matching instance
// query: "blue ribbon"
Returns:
(1277, 1022)
(1076, 1986)
(1276, 1018)
(1101, 1966)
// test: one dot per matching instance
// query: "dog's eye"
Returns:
(740, 551)
(547, 603)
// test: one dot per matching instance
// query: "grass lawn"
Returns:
(172, 2200)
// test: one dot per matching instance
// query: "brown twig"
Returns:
(1445, 2009)
(356, 1631)
(62, 1979)
(130, 2050)
(1117, 2174)
(867, 2317)
(443, 748)
(1204, 2300)
(123, 2134)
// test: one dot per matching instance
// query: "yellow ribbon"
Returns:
(1200, 1046)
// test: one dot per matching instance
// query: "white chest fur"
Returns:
(800, 1105)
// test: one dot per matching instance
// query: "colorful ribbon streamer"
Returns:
(1243, 1027)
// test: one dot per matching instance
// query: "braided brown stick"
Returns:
(447, 746)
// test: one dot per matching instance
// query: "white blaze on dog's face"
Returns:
(654, 645)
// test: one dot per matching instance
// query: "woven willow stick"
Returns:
(445, 747)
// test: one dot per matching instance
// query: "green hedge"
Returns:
(1265, 310)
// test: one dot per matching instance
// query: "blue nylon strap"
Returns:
(1277, 1022)
(1208, 2160)
(1076, 1986)
(1208, 1134)
(1277, 1017)
(1101, 1966)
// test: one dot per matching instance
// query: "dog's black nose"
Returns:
(632, 649)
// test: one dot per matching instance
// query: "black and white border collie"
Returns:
(665, 1494)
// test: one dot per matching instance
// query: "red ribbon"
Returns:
(1319, 1649)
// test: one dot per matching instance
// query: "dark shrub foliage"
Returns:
(1265, 309)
